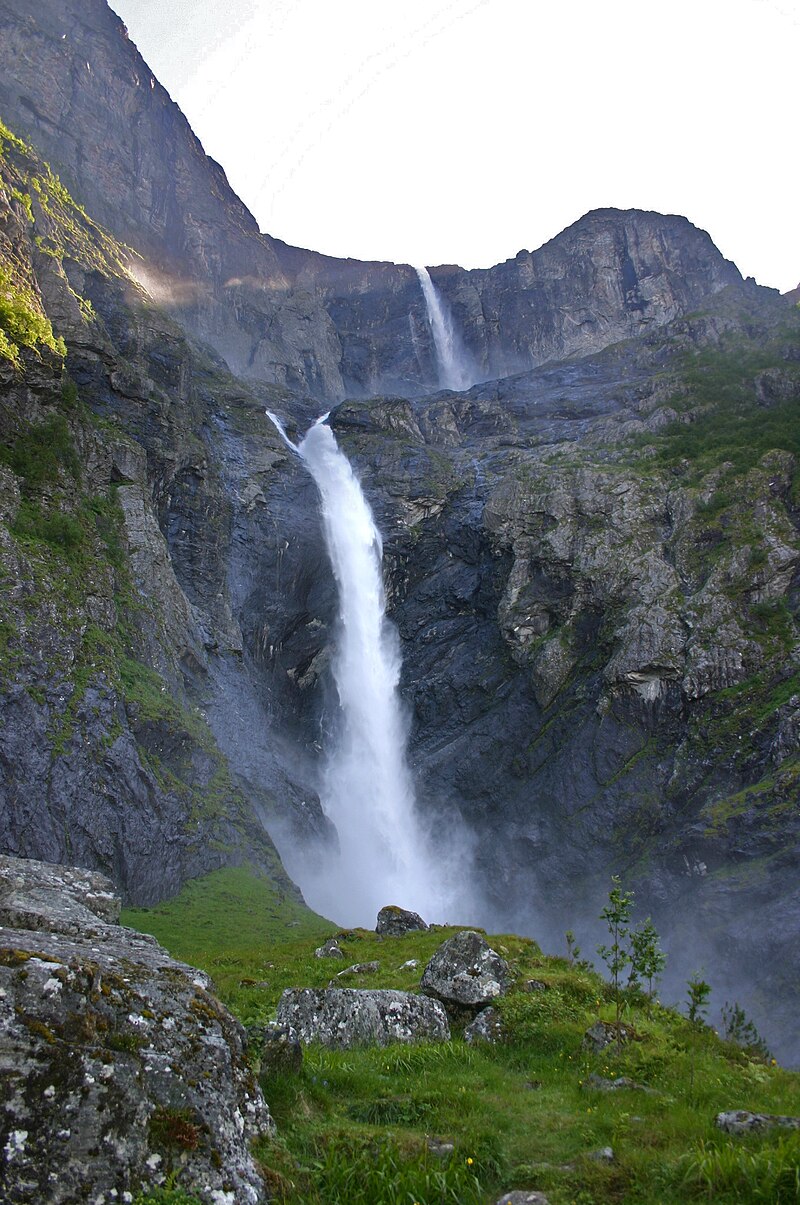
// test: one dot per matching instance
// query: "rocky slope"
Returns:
(592, 563)
(105, 758)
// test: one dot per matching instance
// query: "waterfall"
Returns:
(454, 369)
(367, 790)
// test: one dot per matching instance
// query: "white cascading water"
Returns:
(367, 791)
(454, 370)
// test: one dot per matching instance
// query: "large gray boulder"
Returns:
(740, 1121)
(344, 1017)
(465, 971)
(117, 1064)
(396, 922)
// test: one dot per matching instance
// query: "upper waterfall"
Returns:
(452, 361)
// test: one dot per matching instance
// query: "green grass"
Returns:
(725, 422)
(354, 1125)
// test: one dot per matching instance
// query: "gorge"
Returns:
(590, 552)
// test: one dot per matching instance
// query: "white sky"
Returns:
(459, 131)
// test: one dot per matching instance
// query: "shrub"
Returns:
(37, 455)
(23, 323)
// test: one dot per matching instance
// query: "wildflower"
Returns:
(469, 1161)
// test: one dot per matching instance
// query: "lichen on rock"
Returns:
(118, 1065)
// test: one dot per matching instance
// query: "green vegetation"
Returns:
(363, 1125)
(166, 1196)
(60, 228)
(722, 422)
(647, 958)
(617, 955)
(23, 322)
(738, 1028)
(227, 922)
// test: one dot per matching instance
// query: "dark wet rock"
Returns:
(395, 922)
(330, 949)
(466, 972)
(487, 1027)
(345, 1017)
(603, 1034)
(118, 1065)
(740, 1121)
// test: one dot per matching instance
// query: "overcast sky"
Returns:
(459, 131)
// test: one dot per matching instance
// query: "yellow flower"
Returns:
(469, 1161)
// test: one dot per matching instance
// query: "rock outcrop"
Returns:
(345, 1017)
(603, 1034)
(487, 1027)
(740, 1121)
(118, 1064)
(396, 922)
(76, 86)
(466, 972)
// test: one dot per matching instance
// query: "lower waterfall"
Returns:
(367, 791)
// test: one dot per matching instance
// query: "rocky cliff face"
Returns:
(592, 562)
(75, 85)
(595, 576)
(106, 758)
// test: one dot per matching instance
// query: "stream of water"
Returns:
(454, 369)
(367, 789)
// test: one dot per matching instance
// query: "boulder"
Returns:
(360, 968)
(603, 1034)
(739, 1121)
(604, 1155)
(329, 950)
(487, 1027)
(117, 1064)
(344, 1017)
(466, 972)
(58, 899)
(395, 922)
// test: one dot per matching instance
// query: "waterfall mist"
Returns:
(455, 370)
(367, 792)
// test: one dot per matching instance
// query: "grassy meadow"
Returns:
(452, 1122)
